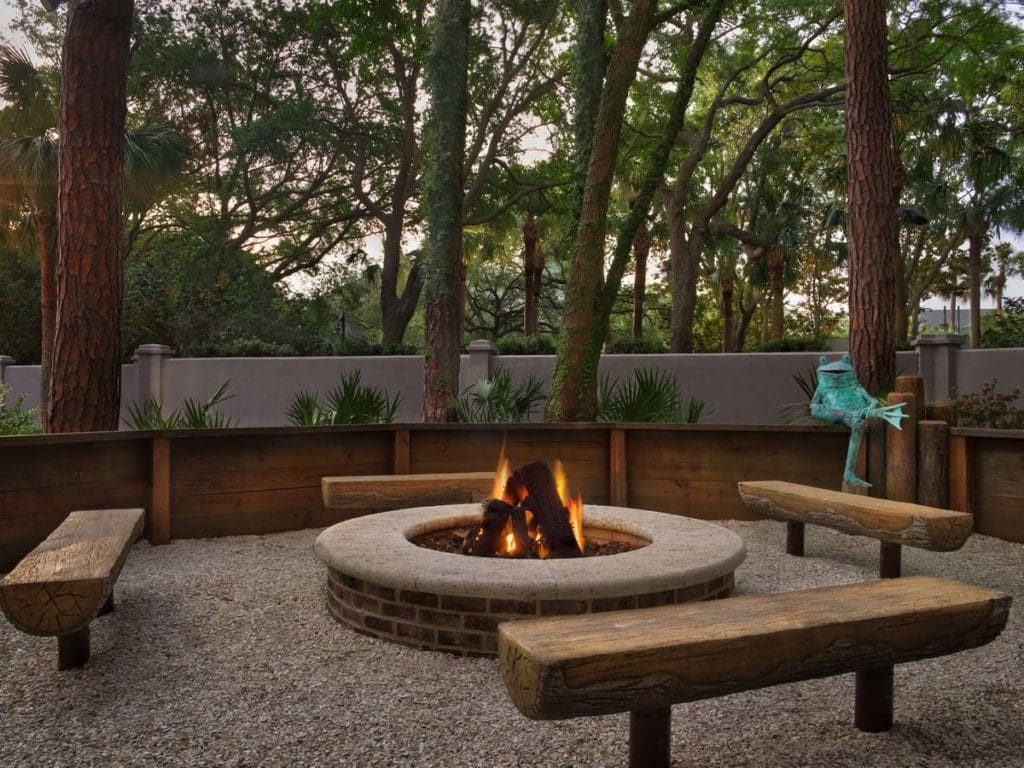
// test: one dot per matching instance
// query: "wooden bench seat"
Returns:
(65, 582)
(894, 523)
(643, 661)
(376, 493)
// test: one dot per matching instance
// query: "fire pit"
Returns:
(380, 583)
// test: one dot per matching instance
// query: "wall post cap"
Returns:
(481, 345)
(6, 360)
(152, 349)
(936, 339)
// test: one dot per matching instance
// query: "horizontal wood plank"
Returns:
(376, 493)
(598, 664)
(895, 522)
(63, 583)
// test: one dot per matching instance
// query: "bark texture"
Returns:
(873, 191)
(85, 383)
(443, 191)
(533, 263)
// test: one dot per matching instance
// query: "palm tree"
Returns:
(154, 156)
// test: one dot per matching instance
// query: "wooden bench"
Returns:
(644, 661)
(360, 494)
(68, 580)
(893, 523)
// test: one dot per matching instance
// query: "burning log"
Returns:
(529, 521)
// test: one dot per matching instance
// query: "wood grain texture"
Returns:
(63, 583)
(596, 664)
(375, 493)
(895, 522)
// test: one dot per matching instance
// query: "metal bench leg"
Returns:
(794, 538)
(650, 732)
(73, 649)
(890, 564)
(872, 711)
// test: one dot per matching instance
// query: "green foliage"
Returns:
(351, 402)
(791, 344)
(649, 396)
(16, 419)
(808, 385)
(989, 409)
(643, 346)
(193, 414)
(495, 400)
(1006, 329)
(519, 344)
(20, 326)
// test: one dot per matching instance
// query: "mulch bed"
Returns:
(451, 541)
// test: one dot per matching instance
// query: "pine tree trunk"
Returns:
(873, 195)
(85, 383)
(446, 72)
(641, 249)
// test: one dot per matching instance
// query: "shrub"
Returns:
(16, 419)
(791, 344)
(637, 347)
(193, 414)
(989, 409)
(1006, 329)
(650, 396)
(495, 400)
(351, 402)
(526, 345)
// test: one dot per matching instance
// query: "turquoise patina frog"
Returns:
(840, 399)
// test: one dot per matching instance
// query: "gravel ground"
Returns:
(221, 653)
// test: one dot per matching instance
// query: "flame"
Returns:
(508, 537)
(501, 475)
(574, 504)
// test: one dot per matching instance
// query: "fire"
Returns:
(573, 504)
(501, 476)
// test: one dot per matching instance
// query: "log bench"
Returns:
(361, 494)
(643, 661)
(68, 580)
(894, 523)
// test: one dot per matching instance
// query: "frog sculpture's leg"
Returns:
(856, 426)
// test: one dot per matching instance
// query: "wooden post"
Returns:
(901, 451)
(915, 386)
(933, 464)
(400, 454)
(874, 699)
(650, 741)
(960, 479)
(942, 410)
(794, 538)
(617, 491)
(890, 565)
(73, 649)
(875, 435)
(160, 493)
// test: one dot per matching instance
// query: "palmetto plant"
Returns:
(650, 396)
(193, 414)
(495, 400)
(351, 402)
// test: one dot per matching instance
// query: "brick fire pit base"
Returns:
(380, 583)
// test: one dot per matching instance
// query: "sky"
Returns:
(1014, 286)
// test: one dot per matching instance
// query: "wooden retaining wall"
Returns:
(197, 484)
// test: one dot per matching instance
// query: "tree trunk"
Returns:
(975, 244)
(46, 242)
(447, 68)
(873, 192)
(574, 387)
(777, 268)
(533, 266)
(725, 287)
(397, 310)
(684, 253)
(590, 65)
(641, 249)
(85, 386)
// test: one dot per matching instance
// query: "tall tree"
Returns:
(85, 384)
(874, 182)
(443, 183)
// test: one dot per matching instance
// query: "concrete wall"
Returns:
(737, 389)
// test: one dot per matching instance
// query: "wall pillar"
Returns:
(149, 362)
(5, 362)
(481, 360)
(936, 359)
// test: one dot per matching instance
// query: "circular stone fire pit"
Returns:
(381, 584)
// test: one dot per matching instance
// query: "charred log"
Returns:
(535, 486)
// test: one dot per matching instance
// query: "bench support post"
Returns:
(889, 561)
(73, 649)
(650, 742)
(873, 705)
(794, 538)
(108, 607)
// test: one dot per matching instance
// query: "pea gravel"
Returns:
(221, 653)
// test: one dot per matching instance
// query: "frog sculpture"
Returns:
(840, 399)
